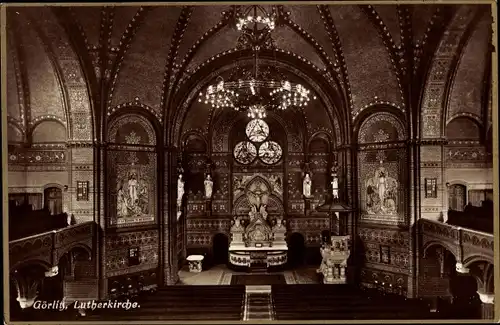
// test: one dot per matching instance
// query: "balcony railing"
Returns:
(466, 244)
(48, 247)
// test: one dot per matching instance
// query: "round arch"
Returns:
(332, 98)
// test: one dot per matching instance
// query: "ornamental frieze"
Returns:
(478, 154)
(37, 157)
(208, 224)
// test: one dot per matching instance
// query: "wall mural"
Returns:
(381, 193)
(381, 166)
(132, 188)
(132, 169)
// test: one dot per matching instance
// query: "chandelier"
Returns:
(255, 90)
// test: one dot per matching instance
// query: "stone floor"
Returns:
(221, 275)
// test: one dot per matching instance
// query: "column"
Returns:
(488, 305)
(168, 262)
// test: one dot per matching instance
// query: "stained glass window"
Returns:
(245, 152)
(270, 152)
(257, 130)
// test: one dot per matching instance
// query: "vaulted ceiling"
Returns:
(69, 68)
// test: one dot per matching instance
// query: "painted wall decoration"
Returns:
(132, 189)
(381, 193)
(257, 189)
(132, 171)
(381, 169)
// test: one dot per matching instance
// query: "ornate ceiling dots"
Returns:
(432, 107)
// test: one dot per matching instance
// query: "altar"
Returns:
(260, 245)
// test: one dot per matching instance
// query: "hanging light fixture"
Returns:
(255, 92)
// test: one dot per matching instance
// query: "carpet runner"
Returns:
(258, 303)
(257, 279)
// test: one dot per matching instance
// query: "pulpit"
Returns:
(258, 246)
(334, 263)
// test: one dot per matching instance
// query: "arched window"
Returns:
(457, 197)
(53, 200)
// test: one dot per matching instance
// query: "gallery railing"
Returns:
(48, 247)
(467, 245)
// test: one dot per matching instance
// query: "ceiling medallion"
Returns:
(256, 90)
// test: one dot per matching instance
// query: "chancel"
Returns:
(243, 161)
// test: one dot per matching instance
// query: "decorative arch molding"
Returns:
(475, 259)
(87, 250)
(133, 106)
(274, 206)
(323, 136)
(473, 117)
(435, 97)
(193, 134)
(375, 117)
(21, 264)
(431, 244)
(332, 97)
(142, 120)
(17, 130)
(49, 185)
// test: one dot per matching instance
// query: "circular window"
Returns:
(245, 152)
(270, 152)
(257, 130)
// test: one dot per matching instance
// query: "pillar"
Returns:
(487, 305)
(168, 238)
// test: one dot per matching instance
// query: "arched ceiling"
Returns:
(141, 54)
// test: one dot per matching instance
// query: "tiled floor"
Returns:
(221, 275)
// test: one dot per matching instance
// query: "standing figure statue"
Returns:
(180, 190)
(209, 185)
(335, 186)
(306, 185)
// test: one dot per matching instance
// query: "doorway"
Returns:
(220, 249)
(296, 250)
(457, 197)
(53, 200)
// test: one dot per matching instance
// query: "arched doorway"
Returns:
(53, 200)
(220, 249)
(457, 196)
(296, 250)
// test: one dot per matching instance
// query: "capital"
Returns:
(52, 272)
(461, 268)
(486, 298)
(26, 302)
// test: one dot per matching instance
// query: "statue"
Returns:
(306, 185)
(209, 184)
(252, 213)
(263, 212)
(335, 186)
(180, 190)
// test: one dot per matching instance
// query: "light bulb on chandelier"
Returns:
(251, 92)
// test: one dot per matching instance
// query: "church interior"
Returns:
(250, 161)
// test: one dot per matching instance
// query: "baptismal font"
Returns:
(334, 263)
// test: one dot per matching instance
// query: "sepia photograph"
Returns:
(250, 162)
